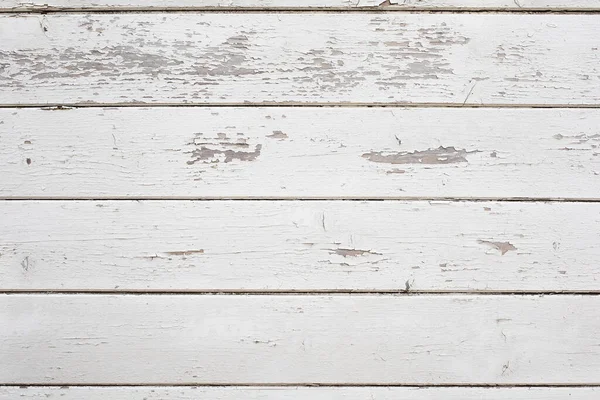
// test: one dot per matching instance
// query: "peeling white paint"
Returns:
(274, 58)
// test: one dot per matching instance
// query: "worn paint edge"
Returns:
(367, 9)
(300, 385)
(309, 198)
(290, 104)
(311, 292)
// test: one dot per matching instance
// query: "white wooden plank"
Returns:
(20, 5)
(296, 152)
(270, 246)
(297, 393)
(96, 339)
(301, 58)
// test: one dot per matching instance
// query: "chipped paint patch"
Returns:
(503, 247)
(207, 155)
(353, 252)
(578, 139)
(278, 135)
(580, 142)
(441, 155)
(222, 149)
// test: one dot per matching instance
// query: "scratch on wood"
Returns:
(25, 264)
(115, 147)
(185, 252)
(469, 94)
(505, 368)
(395, 171)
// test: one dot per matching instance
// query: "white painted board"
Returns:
(292, 152)
(240, 58)
(296, 393)
(358, 339)
(299, 246)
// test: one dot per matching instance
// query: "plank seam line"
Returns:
(309, 199)
(313, 292)
(313, 385)
(69, 106)
(296, 10)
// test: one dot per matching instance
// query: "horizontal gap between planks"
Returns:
(231, 10)
(322, 385)
(69, 106)
(292, 198)
(312, 292)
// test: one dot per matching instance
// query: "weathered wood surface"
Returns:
(296, 152)
(213, 58)
(306, 245)
(96, 339)
(297, 393)
(20, 5)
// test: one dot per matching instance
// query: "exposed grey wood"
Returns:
(299, 245)
(300, 58)
(299, 339)
(296, 393)
(296, 152)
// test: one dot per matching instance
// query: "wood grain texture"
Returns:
(296, 393)
(300, 153)
(180, 58)
(299, 339)
(287, 245)
(20, 5)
